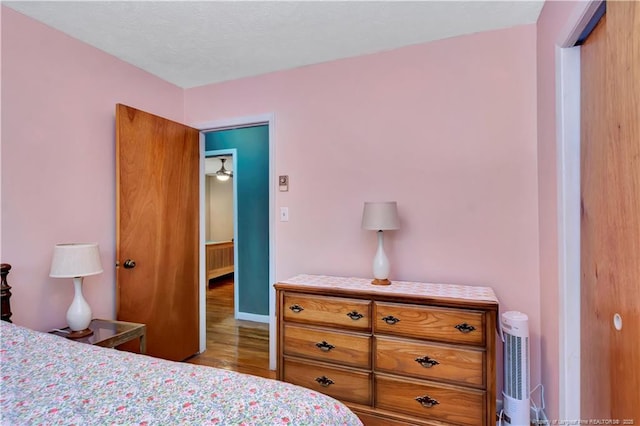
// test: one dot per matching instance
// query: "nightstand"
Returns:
(111, 333)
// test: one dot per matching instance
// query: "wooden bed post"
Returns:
(5, 293)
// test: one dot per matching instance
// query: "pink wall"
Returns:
(58, 160)
(552, 20)
(1, 9)
(447, 129)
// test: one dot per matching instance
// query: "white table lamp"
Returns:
(380, 216)
(76, 261)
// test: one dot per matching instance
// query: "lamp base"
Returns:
(377, 281)
(79, 334)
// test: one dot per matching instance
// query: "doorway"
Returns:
(220, 223)
(252, 306)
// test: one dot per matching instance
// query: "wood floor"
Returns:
(231, 344)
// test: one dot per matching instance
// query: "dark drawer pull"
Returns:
(324, 346)
(465, 328)
(324, 381)
(390, 319)
(426, 401)
(426, 362)
(296, 308)
(354, 315)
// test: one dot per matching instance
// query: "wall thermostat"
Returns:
(283, 182)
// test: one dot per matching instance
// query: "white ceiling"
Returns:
(192, 43)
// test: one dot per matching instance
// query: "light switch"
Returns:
(284, 214)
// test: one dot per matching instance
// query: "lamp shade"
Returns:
(75, 260)
(380, 216)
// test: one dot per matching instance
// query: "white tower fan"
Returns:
(515, 336)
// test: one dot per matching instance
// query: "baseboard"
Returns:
(246, 316)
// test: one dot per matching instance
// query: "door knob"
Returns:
(129, 264)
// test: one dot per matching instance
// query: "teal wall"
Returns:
(252, 181)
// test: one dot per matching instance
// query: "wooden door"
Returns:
(610, 218)
(157, 203)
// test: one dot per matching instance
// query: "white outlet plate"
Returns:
(284, 214)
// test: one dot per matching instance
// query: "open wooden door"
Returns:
(157, 230)
(610, 217)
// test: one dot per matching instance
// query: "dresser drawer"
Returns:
(342, 384)
(328, 346)
(445, 403)
(441, 324)
(373, 419)
(333, 311)
(430, 361)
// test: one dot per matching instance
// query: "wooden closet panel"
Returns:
(610, 215)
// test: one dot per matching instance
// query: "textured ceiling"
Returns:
(192, 43)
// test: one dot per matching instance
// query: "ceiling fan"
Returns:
(223, 174)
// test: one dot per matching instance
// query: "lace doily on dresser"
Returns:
(452, 291)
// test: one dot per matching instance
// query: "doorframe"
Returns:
(230, 123)
(567, 65)
(236, 260)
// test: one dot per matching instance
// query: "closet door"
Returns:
(610, 218)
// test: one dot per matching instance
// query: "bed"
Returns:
(219, 259)
(47, 379)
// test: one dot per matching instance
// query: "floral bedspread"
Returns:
(46, 379)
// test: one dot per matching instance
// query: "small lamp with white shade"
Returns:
(76, 261)
(380, 216)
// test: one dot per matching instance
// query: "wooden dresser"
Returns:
(405, 354)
